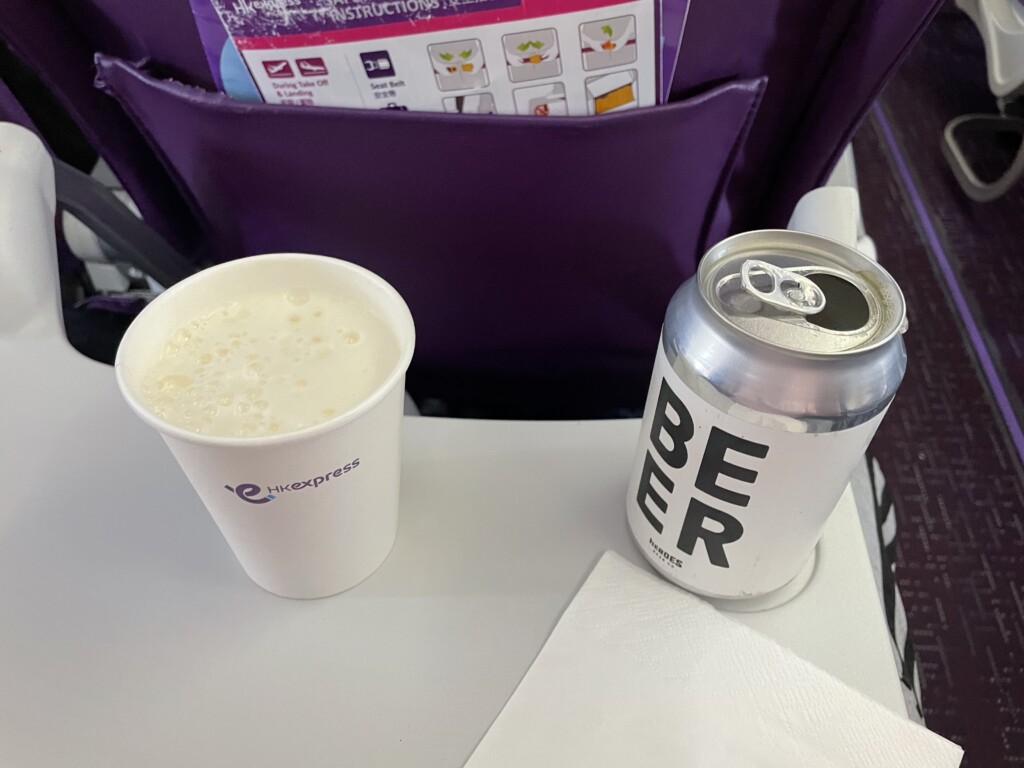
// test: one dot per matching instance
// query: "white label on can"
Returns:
(725, 507)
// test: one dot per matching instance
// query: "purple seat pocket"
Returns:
(523, 245)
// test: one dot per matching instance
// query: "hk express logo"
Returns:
(251, 493)
(254, 494)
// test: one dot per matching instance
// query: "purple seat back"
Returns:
(526, 248)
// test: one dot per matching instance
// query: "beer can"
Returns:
(778, 359)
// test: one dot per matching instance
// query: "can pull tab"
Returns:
(788, 290)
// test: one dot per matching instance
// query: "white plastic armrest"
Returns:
(832, 212)
(29, 282)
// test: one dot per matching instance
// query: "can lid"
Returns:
(802, 292)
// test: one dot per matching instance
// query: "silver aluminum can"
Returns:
(777, 362)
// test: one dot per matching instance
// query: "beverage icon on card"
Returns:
(608, 43)
(615, 92)
(277, 68)
(311, 67)
(471, 104)
(541, 100)
(377, 64)
(459, 65)
(532, 55)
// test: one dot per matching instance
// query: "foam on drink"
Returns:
(269, 363)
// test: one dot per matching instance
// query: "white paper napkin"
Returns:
(639, 673)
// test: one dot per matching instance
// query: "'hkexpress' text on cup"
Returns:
(254, 494)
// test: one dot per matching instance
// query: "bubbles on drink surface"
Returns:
(268, 364)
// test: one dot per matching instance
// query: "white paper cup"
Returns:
(308, 513)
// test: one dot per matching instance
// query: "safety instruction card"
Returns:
(512, 57)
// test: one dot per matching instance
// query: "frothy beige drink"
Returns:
(269, 363)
